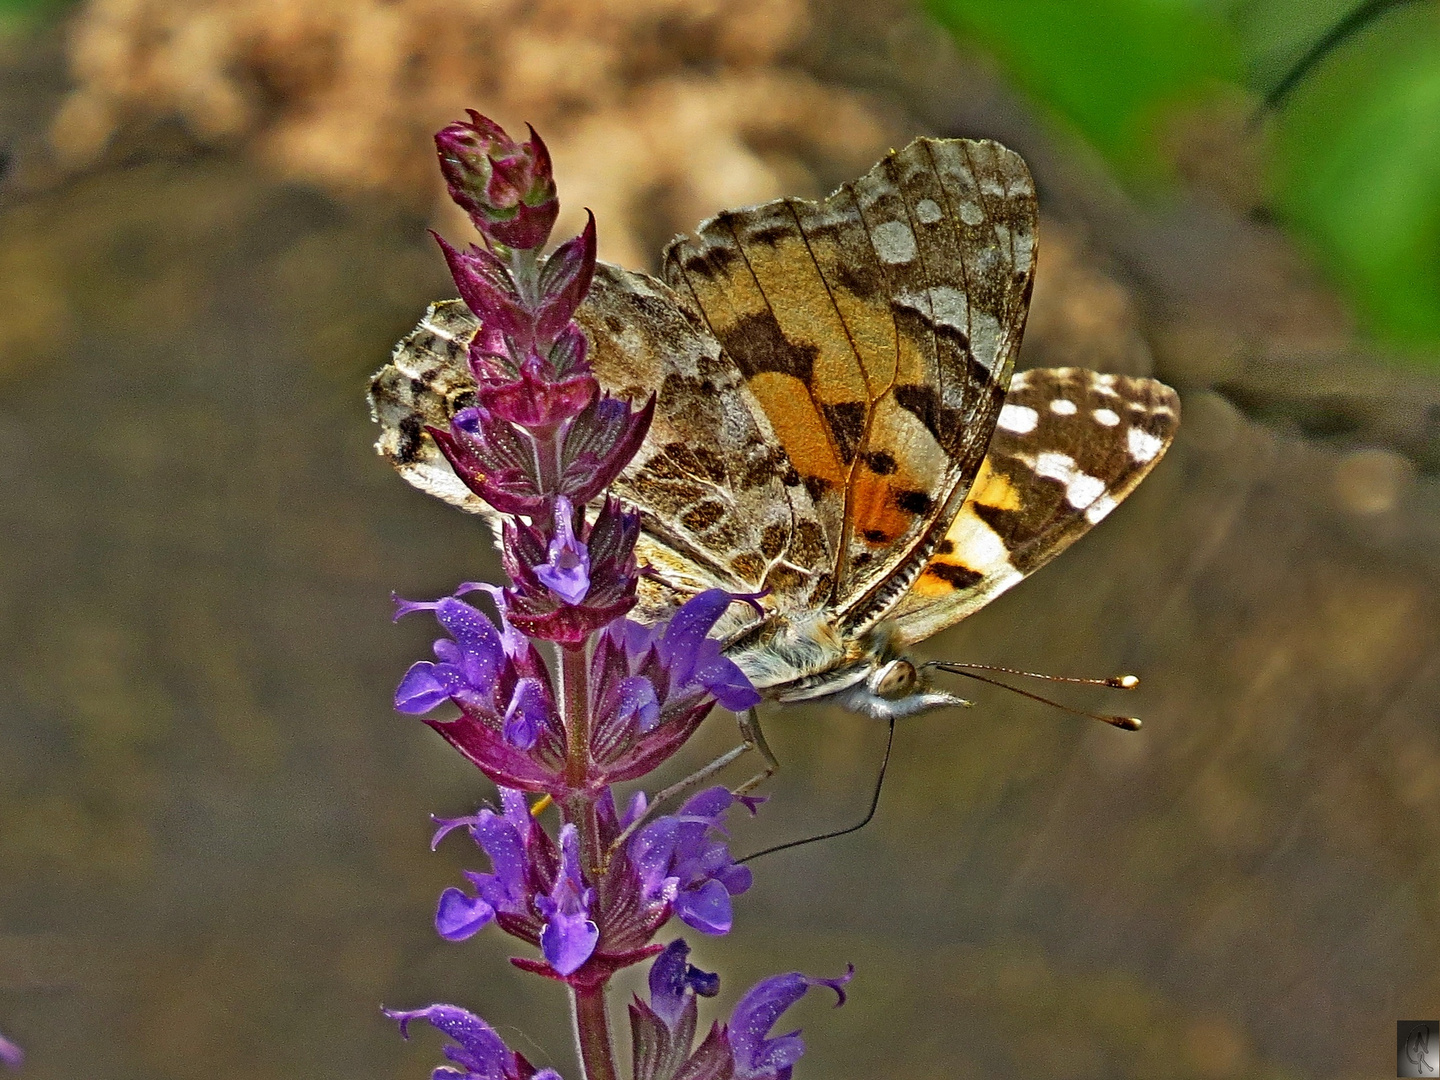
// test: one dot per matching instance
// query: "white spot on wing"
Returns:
(1019, 419)
(1108, 417)
(1055, 466)
(1063, 407)
(894, 242)
(1083, 490)
(945, 304)
(977, 545)
(1097, 510)
(928, 211)
(970, 212)
(985, 339)
(1104, 384)
(1143, 446)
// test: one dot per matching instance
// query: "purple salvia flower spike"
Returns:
(569, 936)
(756, 1056)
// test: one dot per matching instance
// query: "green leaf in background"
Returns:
(1357, 170)
(1108, 67)
(18, 15)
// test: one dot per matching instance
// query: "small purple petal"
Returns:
(568, 940)
(479, 1048)
(516, 809)
(756, 1013)
(10, 1054)
(569, 936)
(409, 607)
(727, 684)
(707, 908)
(526, 714)
(448, 825)
(567, 574)
(637, 698)
(672, 977)
(667, 981)
(422, 689)
(638, 803)
(688, 626)
(507, 888)
(710, 804)
(475, 634)
(459, 917)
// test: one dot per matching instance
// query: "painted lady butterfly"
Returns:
(837, 423)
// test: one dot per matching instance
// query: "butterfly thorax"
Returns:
(810, 658)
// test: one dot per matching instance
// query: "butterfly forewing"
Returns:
(876, 330)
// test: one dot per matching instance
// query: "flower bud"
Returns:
(506, 187)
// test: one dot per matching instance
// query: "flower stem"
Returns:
(575, 691)
(592, 1032)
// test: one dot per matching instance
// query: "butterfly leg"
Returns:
(754, 739)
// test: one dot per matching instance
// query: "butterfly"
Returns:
(839, 427)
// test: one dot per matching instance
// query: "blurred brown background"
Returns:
(213, 829)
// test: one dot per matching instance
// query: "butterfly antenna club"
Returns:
(1116, 682)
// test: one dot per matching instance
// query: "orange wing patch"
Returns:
(878, 361)
(1069, 446)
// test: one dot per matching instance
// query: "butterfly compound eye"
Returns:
(894, 680)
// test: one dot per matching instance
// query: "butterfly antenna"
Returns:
(1114, 682)
(1351, 24)
(1119, 682)
(870, 813)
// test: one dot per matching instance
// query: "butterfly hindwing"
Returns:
(1069, 445)
(877, 330)
(426, 382)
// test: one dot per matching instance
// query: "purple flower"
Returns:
(570, 935)
(478, 1050)
(539, 610)
(652, 685)
(509, 724)
(10, 1054)
(505, 839)
(566, 572)
(756, 1056)
(681, 861)
(507, 188)
(663, 1031)
(675, 982)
